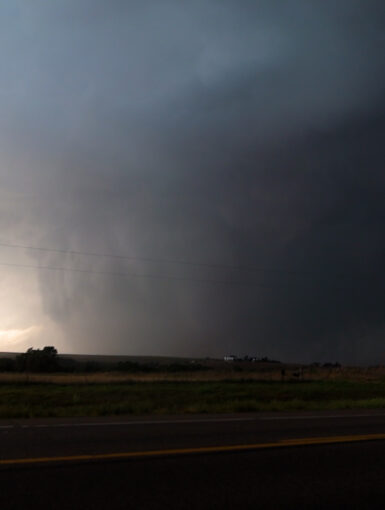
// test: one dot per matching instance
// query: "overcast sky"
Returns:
(246, 138)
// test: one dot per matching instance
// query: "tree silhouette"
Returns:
(38, 360)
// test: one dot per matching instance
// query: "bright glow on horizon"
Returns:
(10, 338)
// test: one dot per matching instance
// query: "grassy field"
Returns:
(217, 387)
(217, 372)
(33, 399)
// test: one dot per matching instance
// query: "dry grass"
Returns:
(358, 374)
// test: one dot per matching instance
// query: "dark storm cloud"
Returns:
(243, 133)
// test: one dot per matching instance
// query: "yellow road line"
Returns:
(202, 449)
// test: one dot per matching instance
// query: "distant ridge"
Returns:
(114, 358)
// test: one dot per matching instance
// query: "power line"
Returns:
(144, 259)
(167, 277)
(212, 265)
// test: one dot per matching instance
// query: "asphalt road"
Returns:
(307, 460)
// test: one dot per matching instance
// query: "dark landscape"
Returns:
(41, 383)
(192, 254)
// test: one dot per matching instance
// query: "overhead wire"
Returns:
(191, 263)
(168, 277)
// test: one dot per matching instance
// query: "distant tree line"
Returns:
(252, 359)
(130, 366)
(34, 360)
(316, 364)
(46, 360)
